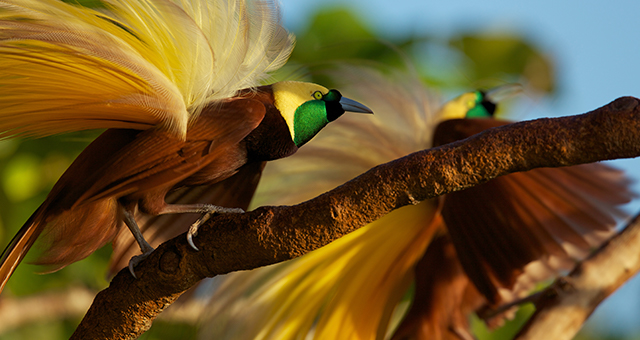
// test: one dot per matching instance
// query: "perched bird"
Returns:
(176, 85)
(465, 252)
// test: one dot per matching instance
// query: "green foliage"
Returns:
(339, 35)
(506, 331)
(329, 32)
(163, 330)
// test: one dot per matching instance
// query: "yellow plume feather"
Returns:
(342, 290)
(129, 64)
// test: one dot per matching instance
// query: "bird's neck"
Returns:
(271, 139)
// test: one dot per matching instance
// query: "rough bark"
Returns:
(268, 235)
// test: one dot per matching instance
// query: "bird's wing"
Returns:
(504, 237)
(122, 161)
(551, 215)
(234, 192)
(129, 64)
(154, 159)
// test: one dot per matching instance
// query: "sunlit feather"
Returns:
(129, 64)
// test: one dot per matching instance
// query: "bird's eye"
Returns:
(317, 95)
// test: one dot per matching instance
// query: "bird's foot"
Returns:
(214, 209)
(193, 229)
(134, 261)
(145, 247)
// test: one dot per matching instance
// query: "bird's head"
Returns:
(478, 104)
(468, 105)
(308, 107)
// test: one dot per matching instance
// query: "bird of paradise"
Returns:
(176, 83)
(465, 252)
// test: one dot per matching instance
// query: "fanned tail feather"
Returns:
(62, 243)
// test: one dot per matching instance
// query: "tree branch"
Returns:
(269, 235)
(565, 305)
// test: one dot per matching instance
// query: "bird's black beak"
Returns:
(353, 106)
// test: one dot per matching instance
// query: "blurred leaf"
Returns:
(53, 166)
(492, 56)
(163, 330)
(8, 147)
(53, 329)
(328, 35)
(339, 35)
(21, 177)
(510, 328)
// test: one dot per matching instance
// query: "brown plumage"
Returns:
(129, 169)
(126, 172)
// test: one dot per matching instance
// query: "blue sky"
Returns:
(596, 47)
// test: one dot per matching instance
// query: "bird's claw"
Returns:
(193, 229)
(134, 261)
(190, 236)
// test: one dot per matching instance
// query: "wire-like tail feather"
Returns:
(19, 246)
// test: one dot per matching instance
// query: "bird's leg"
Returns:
(207, 210)
(145, 247)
